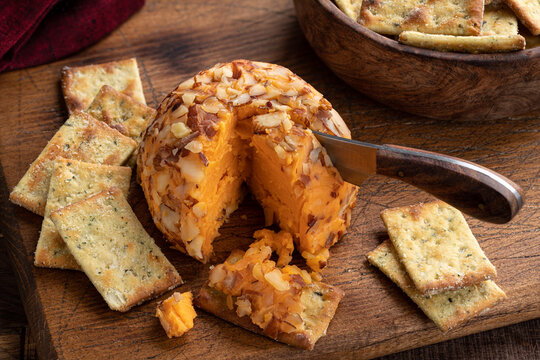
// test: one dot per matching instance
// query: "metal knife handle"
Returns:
(471, 188)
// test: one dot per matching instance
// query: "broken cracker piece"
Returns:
(82, 138)
(391, 17)
(286, 304)
(73, 181)
(80, 85)
(464, 44)
(110, 244)
(447, 309)
(176, 314)
(528, 11)
(436, 246)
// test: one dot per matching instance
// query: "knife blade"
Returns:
(471, 188)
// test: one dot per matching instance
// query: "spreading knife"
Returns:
(469, 187)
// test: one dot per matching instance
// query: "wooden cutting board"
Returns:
(174, 40)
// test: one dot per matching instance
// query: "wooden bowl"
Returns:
(429, 83)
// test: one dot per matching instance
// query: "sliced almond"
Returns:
(275, 278)
(194, 146)
(257, 90)
(189, 229)
(212, 105)
(179, 112)
(180, 130)
(268, 121)
(188, 98)
(194, 248)
(199, 209)
(192, 168)
(241, 99)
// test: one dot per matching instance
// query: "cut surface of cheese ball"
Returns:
(244, 122)
(176, 314)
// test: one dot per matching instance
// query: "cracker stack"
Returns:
(435, 259)
(77, 185)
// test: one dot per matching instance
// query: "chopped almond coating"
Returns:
(285, 304)
(176, 314)
(244, 122)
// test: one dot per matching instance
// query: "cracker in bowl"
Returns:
(447, 309)
(465, 44)
(499, 20)
(528, 11)
(499, 34)
(391, 17)
(110, 244)
(81, 84)
(82, 138)
(350, 7)
(436, 247)
(73, 181)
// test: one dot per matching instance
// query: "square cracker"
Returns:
(82, 138)
(351, 8)
(528, 11)
(436, 246)
(110, 244)
(73, 181)
(465, 44)
(447, 309)
(450, 17)
(81, 84)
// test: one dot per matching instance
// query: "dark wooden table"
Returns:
(176, 39)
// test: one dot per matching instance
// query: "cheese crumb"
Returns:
(176, 314)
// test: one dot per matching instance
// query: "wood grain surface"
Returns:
(436, 84)
(172, 41)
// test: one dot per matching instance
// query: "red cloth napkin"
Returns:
(34, 32)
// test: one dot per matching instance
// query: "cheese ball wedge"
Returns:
(245, 122)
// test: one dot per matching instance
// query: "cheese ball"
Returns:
(245, 122)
